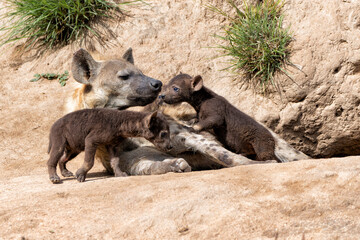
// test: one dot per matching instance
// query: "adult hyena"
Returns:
(120, 84)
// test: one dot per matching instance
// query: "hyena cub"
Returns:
(233, 128)
(88, 129)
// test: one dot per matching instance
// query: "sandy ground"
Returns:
(317, 198)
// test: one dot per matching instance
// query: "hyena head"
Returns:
(157, 131)
(112, 84)
(180, 89)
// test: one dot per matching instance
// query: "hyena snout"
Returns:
(146, 86)
(166, 147)
(155, 84)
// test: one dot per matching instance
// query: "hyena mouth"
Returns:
(142, 100)
(122, 107)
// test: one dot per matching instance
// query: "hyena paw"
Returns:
(270, 161)
(80, 176)
(120, 174)
(66, 173)
(55, 179)
(178, 165)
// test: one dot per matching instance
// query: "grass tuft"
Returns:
(52, 23)
(51, 76)
(256, 41)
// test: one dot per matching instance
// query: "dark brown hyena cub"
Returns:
(233, 128)
(85, 130)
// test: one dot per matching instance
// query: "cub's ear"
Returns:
(128, 56)
(196, 83)
(150, 119)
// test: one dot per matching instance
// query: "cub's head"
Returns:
(157, 131)
(180, 89)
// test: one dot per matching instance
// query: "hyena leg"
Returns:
(151, 167)
(57, 150)
(103, 155)
(90, 150)
(115, 162)
(67, 156)
(212, 149)
(150, 161)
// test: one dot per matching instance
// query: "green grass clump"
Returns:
(256, 41)
(51, 76)
(56, 22)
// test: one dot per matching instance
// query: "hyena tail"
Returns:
(285, 152)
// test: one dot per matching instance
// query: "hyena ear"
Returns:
(128, 56)
(84, 68)
(150, 120)
(196, 83)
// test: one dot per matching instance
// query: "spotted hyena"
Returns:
(120, 84)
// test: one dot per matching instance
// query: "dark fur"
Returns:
(233, 128)
(85, 130)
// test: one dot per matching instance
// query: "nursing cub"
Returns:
(88, 129)
(236, 130)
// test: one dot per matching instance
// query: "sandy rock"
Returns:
(177, 36)
(327, 49)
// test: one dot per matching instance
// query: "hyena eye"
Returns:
(176, 89)
(125, 77)
(163, 134)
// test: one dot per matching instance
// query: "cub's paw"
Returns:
(192, 122)
(66, 173)
(178, 165)
(80, 176)
(55, 179)
(197, 127)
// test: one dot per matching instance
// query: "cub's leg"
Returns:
(56, 151)
(210, 117)
(67, 156)
(90, 150)
(264, 149)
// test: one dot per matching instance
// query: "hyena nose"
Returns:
(169, 147)
(156, 84)
(161, 96)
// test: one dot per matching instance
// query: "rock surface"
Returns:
(318, 112)
(315, 198)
